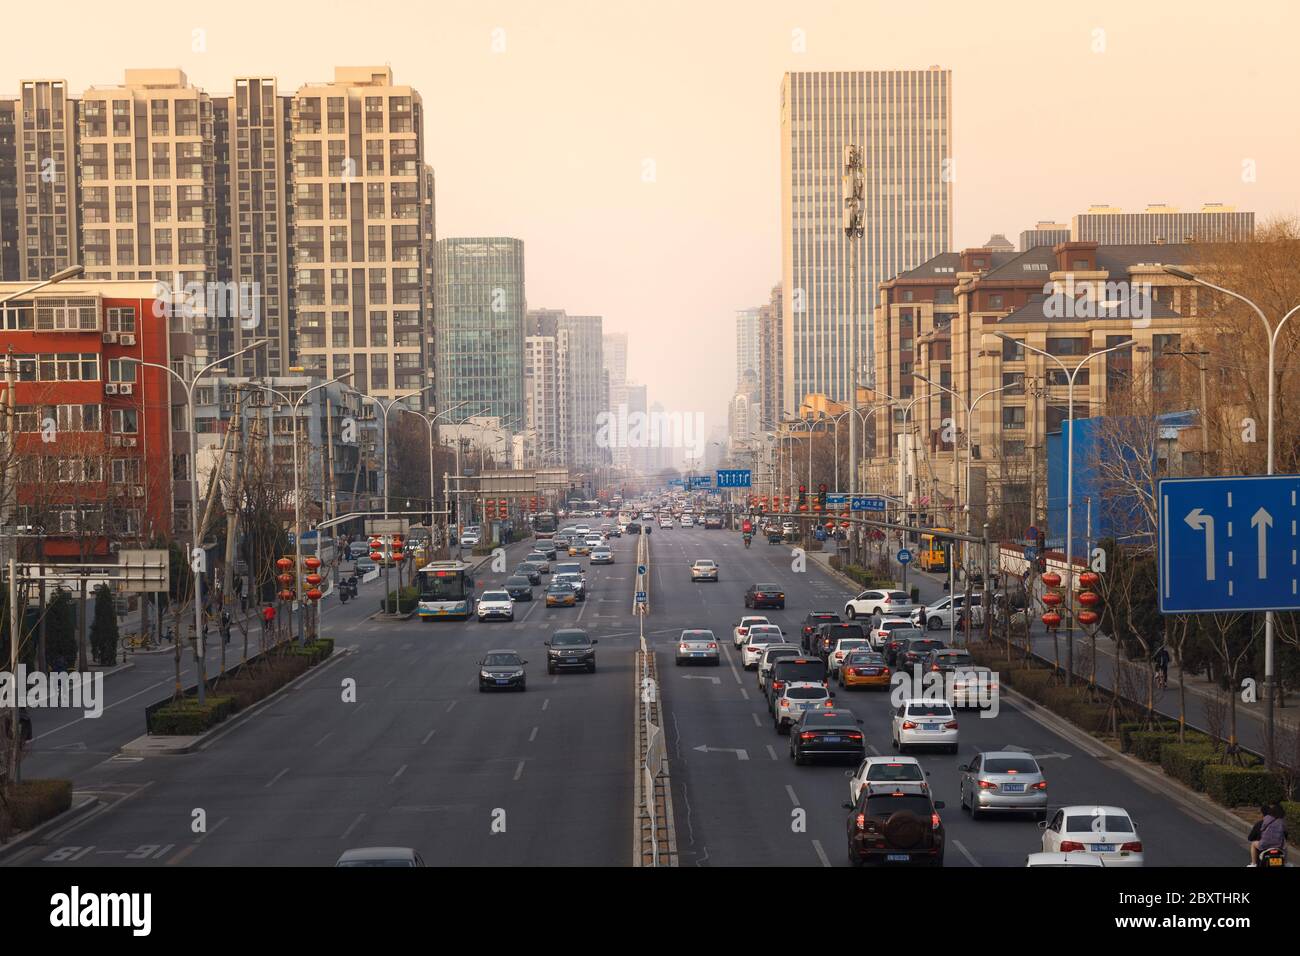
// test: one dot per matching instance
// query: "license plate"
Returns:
(1101, 847)
(832, 740)
(872, 672)
(501, 681)
(1013, 788)
(699, 654)
(897, 857)
(929, 726)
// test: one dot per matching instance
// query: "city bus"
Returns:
(544, 525)
(446, 589)
(932, 555)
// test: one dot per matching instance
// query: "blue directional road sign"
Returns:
(676, 483)
(640, 597)
(904, 556)
(640, 569)
(868, 504)
(735, 478)
(701, 481)
(1229, 544)
(836, 501)
(1031, 553)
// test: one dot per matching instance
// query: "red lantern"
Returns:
(375, 544)
(286, 595)
(314, 594)
(844, 524)
(312, 563)
(314, 580)
(284, 564)
(376, 556)
(1089, 579)
(1089, 598)
(1088, 618)
(1051, 599)
(1052, 619)
(1052, 579)
(285, 579)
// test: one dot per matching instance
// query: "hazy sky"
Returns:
(548, 139)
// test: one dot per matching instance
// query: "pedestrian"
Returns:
(268, 617)
(225, 627)
(243, 595)
(1161, 662)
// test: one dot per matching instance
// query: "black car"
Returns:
(765, 595)
(827, 734)
(828, 635)
(519, 587)
(813, 620)
(917, 650)
(793, 670)
(895, 823)
(634, 527)
(570, 648)
(946, 659)
(530, 571)
(547, 548)
(501, 670)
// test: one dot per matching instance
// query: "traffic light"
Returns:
(803, 497)
(821, 497)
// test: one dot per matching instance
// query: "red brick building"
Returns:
(92, 429)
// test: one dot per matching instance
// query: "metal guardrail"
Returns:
(656, 840)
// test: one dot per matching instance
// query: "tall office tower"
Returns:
(1213, 222)
(1044, 234)
(479, 341)
(901, 120)
(253, 170)
(8, 191)
(638, 456)
(580, 381)
(429, 233)
(48, 201)
(359, 229)
(771, 358)
(748, 352)
(614, 345)
(148, 192)
(543, 440)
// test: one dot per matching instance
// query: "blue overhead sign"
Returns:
(868, 504)
(676, 483)
(836, 501)
(1228, 544)
(735, 478)
(701, 481)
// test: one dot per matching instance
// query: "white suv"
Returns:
(924, 723)
(795, 698)
(878, 602)
(740, 633)
(939, 614)
(760, 637)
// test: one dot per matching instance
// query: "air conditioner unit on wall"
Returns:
(126, 388)
(126, 339)
(110, 388)
(137, 491)
(109, 338)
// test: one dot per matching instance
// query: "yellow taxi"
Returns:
(559, 594)
(864, 669)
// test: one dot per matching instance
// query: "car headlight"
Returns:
(485, 675)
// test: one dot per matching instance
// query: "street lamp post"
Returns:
(431, 421)
(1272, 333)
(1069, 480)
(196, 553)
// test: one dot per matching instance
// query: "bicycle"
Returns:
(137, 641)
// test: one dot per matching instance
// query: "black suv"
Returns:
(827, 636)
(916, 651)
(570, 648)
(519, 587)
(530, 571)
(895, 823)
(814, 619)
(793, 670)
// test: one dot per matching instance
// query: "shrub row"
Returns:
(32, 802)
(187, 718)
(400, 602)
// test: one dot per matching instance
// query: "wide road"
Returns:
(420, 759)
(742, 811)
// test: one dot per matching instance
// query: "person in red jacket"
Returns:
(268, 618)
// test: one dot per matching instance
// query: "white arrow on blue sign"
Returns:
(640, 597)
(735, 478)
(1229, 544)
(868, 504)
(904, 556)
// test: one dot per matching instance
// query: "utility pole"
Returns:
(852, 191)
(235, 433)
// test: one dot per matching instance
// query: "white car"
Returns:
(880, 634)
(939, 614)
(885, 770)
(469, 539)
(924, 723)
(835, 658)
(794, 700)
(788, 527)
(878, 602)
(760, 636)
(602, 555)
(1106, 832)
(665, 522)
(687, 522)
(698, 646)
(740, 632)
(496, 605)
(1064, 859)
(771, 654)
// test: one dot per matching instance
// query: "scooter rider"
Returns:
(1272, 833)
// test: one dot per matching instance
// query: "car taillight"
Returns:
(988, 785)
(785, 702)
(1070, 846)
(909, 725)
(807, 735)
(862, 821)
(884, 671)
(950, 725)
(1041, 785)
(683, 647)
(1132, 847)
(758, 594)
(853, 671)
(712, 646)
(854, 735)
(743, 631)
(934, 667)
(934, 821)
(777, 684)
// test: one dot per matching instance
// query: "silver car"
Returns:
(697, 647)
(1007, 781)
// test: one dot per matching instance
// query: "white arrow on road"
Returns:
(716, 680)
(1202, 522)
(1263, 521)
(740, 754)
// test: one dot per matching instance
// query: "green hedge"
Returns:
(1187, 763)
(1234, 786)
(186, 718)
(858, 573)
(315, 651)
(1147, 744)
(32, 802)
(402, 602)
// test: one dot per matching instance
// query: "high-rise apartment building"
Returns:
(543, 438)
(748, 352)
(1161, 223)
(47, 200)
(614, 355)
(771, 358)
(581, 381)
(480, 327)
(901, 120)
(8, 191)
(361, 215)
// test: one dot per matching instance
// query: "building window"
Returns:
(1014, 383)
(121, 320)
(1013, 448)
(1013, 417)
(1013, 350)
(1067, 345)
(122, 370)
(126, 421)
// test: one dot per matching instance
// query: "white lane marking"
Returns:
(323, 739)
(790, 790)
(546, 703)
(390, 683)
(533, 735)
(744, 693)
(821, 854)
(966, 853)
(771, 752)
(400, 770)
(352, 826)
(519, 771)
(757, 722)
(428, 737)
(106, 707)
(452, 705)
(276, 777)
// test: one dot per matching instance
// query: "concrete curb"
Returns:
(208, 737)
(1150, 778)
(78, 810)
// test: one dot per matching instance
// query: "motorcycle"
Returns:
(344, 594)
(748, 539)
(1274, 856)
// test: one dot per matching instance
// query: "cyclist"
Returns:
(1161, 662)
